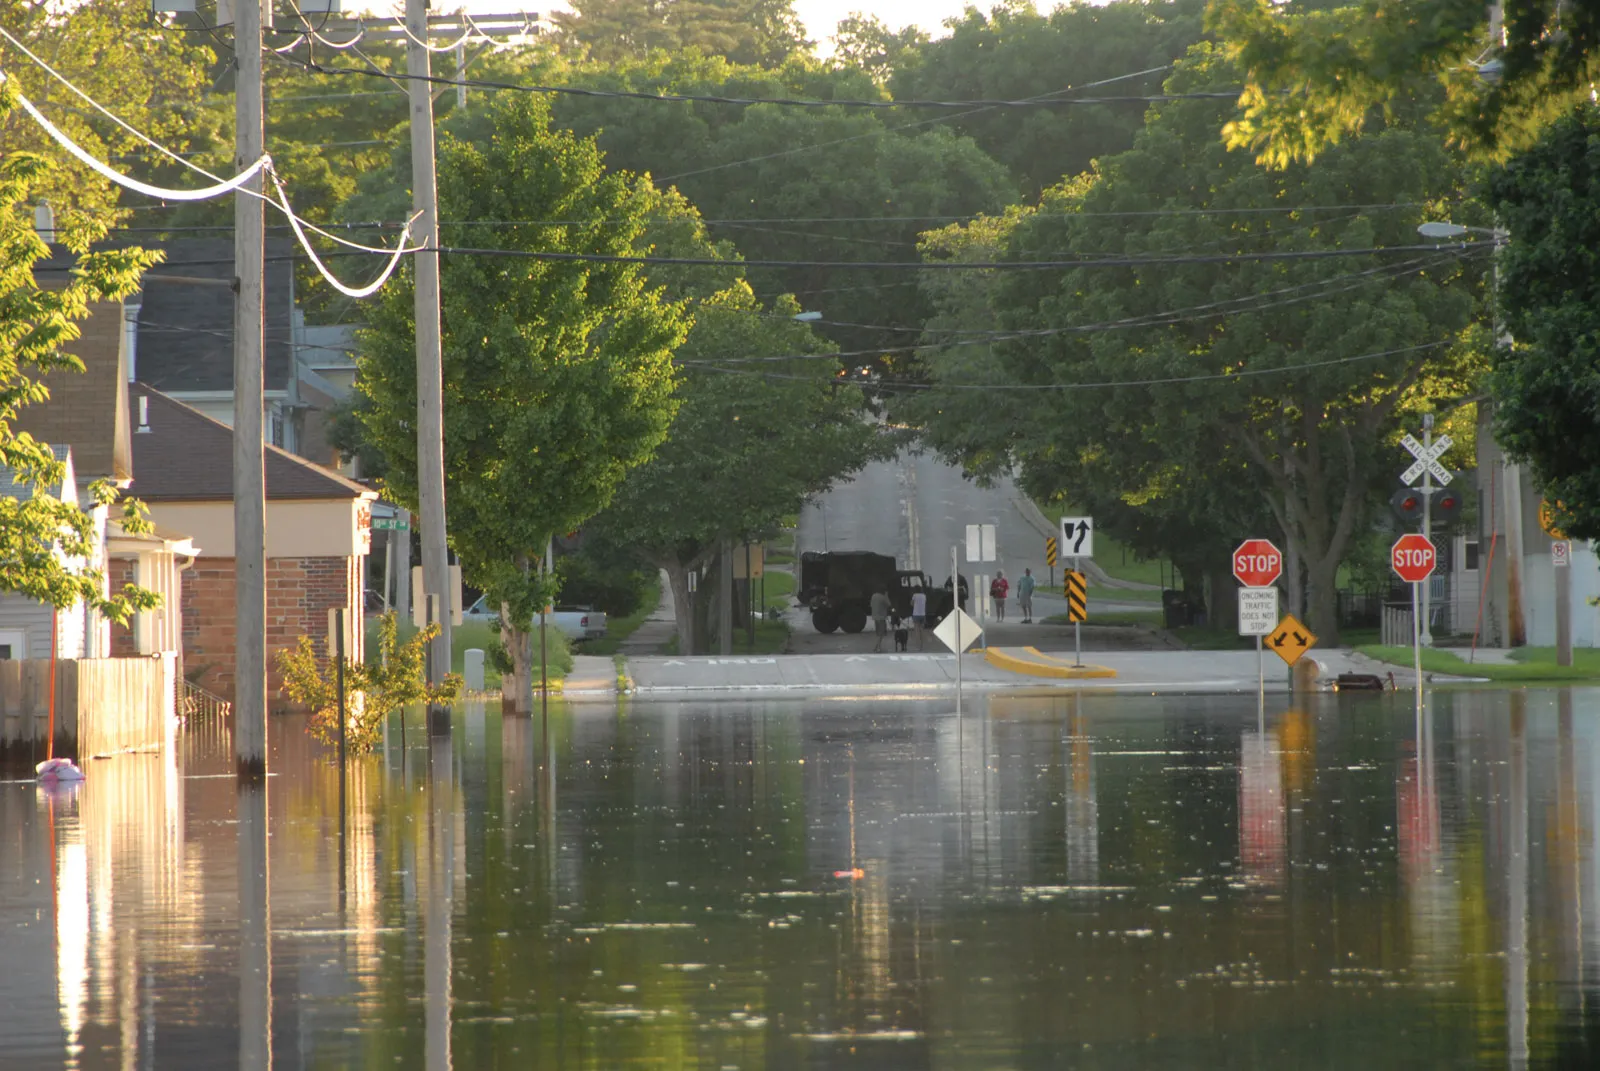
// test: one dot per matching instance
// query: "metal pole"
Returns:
(1563, 612)
(749, 591)
(1416, 640)
(955, 608)
(430, 357)
(1261, 674)
(544, 653)
(1077, 626)
(339, 617)
(249, 480)
(1427, 525)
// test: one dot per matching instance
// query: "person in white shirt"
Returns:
(919, 614)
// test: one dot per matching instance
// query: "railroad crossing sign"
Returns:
(1427, 460)
(1413, 557)
(958, 631)
(1077, 596)
(1257, 563)
(1077, 537)
(1258, 611)
(1050, 552)
(1291, 639)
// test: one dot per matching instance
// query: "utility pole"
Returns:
(430, 358)
(1427, 530)
(249, 478)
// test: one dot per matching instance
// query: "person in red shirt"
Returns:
(999, 588)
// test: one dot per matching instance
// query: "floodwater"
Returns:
(1109, 882)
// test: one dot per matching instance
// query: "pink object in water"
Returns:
(54, 770)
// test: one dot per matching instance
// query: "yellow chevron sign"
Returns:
(1050, 551)
(1077, 597)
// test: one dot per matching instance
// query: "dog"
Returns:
(901, 633)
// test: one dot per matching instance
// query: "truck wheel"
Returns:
(824, 620)
(852, 618)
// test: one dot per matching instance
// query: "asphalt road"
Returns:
(917, 508)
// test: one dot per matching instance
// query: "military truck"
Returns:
(837, 587)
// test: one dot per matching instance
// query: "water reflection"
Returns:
(1053, 879)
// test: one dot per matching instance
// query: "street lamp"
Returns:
(1442, 229)
(807, 317)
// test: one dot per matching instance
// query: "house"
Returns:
(318, 536)
(26, 625)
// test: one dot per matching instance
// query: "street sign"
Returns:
(391, 524)
(1257, 563)
(958, 631)
(1050, 551)
(1413, 557)
(1427, 459)
(1560, 554)
(1077, 596)
(1291, 639)
(1077, 537)
(1258, 611)
(980, 543)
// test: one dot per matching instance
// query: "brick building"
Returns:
(318, 537)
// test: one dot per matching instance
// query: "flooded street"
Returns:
(1053, 881)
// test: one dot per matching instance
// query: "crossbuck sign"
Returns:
(1427, 460)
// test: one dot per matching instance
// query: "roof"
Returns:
(185, 339)
(185, 456)
(88, 411)
(11, 487)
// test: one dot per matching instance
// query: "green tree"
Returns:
(152, 74)
(1015, 53)
(558, 375)
(762, 32)
(1545, 384)
(1289, 374)
(1316, 72)
(865, 43)
(44, 540)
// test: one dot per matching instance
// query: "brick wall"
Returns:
(120, 571)
(300, 591)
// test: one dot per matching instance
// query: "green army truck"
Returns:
(837, 587)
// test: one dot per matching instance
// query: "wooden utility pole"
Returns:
(430, 359)
(249, 479)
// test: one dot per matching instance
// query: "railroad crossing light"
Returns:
(1446, 505)
(1407, 504)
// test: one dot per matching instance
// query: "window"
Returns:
(1469, 555)
(13, 645)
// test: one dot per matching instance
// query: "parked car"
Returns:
(577, 622)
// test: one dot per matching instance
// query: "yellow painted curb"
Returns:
(1049, 667)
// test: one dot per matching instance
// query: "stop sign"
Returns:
(1413, 557)
(1257, 563)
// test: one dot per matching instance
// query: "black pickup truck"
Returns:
(837, 587)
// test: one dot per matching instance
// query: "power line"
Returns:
(792, 102)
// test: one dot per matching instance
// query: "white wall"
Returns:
(1583, 575)
(313, 528)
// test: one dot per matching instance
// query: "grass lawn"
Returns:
(1536, 665)
(480, 634)
(775, 587)
(620, 628)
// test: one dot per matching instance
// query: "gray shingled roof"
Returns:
(188, 457)
(186, 328)
(11, 487)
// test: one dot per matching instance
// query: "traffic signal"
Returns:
(1446, 505)
(1407, 504)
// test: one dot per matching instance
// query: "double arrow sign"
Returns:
(1427, 460)
(1290, 639)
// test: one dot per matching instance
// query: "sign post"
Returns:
(957, 631)
(1073, 583)
(1561, 565)
(1427, 466)
(1257, 564)
(1413, 558)
(1077, 541)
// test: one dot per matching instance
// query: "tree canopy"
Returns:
(46, 540)
(558, 375)
(1315, 73)
(1546, 382)
(1173, 385)
(760, 32)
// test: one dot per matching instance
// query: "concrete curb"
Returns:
(1049, 667)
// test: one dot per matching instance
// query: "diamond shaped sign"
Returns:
(958, 631)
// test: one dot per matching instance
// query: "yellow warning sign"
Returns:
(1291, 639)
(1077, 597)
(1050, 551)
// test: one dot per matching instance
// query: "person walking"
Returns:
(919, 614)
(1025, 596)
(999, 587)
(880, 616)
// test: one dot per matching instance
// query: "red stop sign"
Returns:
(1413, 557)
(1257, 563)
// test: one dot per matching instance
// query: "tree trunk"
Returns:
(1322, 598)
(514, 687)
(682, 611)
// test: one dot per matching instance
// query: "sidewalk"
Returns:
(657, 630)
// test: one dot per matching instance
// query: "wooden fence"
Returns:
(103, 706)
